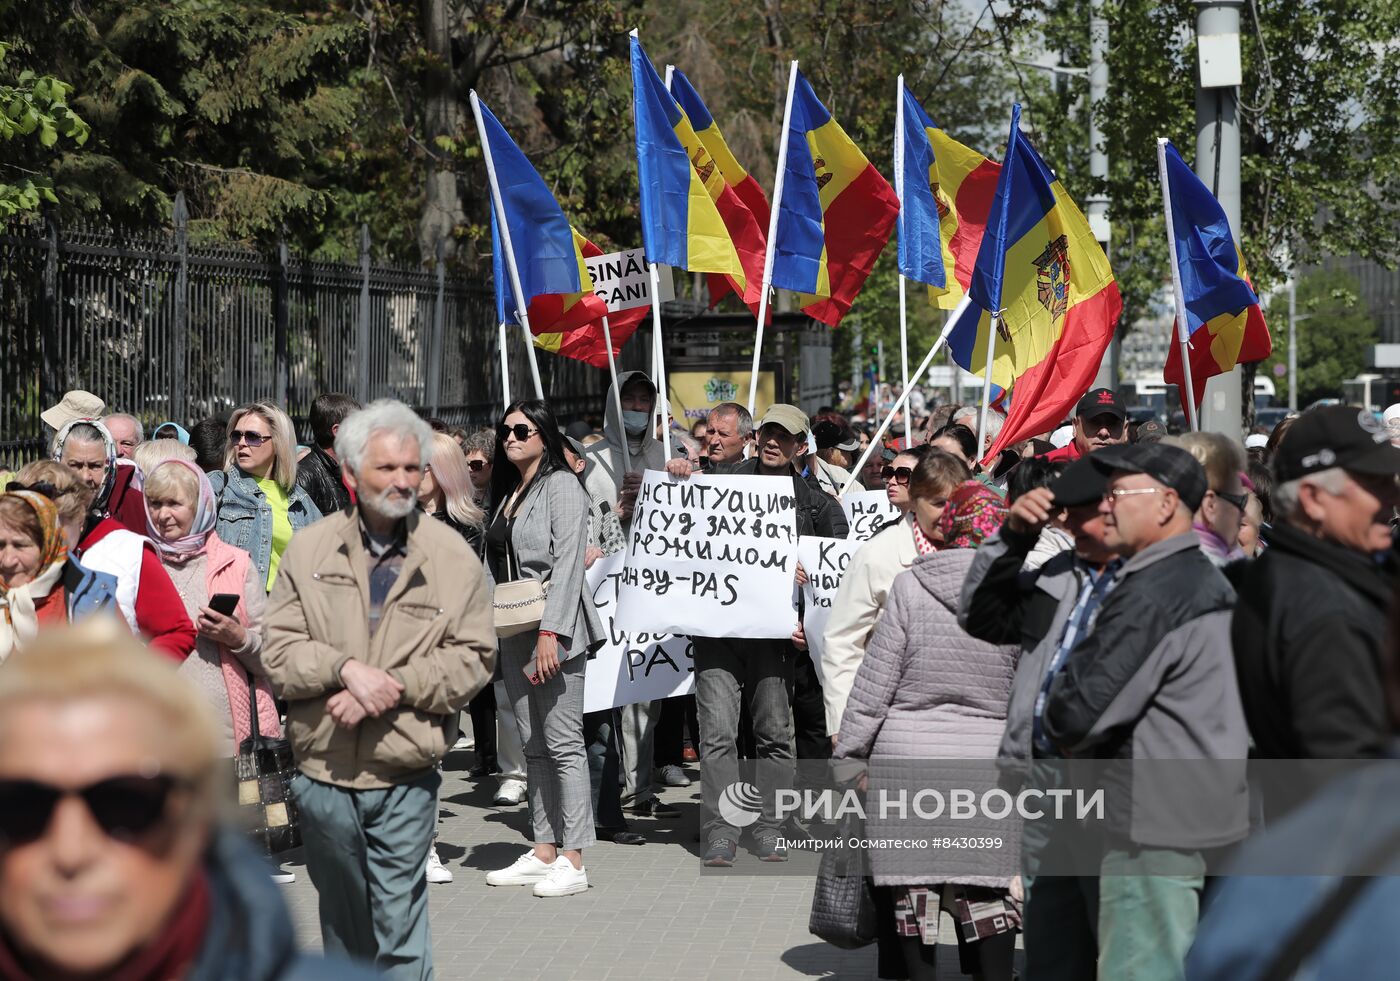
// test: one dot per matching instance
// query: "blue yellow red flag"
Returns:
(741, 202)
(1039, 265)
(681, 224)
(1224, 321)
(836, 212)
(946, 194)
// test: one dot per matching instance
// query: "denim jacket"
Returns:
(87, 592)
(245, 517)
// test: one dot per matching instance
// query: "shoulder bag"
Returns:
(518, 602)
(264, 769)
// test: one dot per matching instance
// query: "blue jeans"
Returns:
(365, 851)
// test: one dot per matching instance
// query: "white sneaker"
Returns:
(435, 871)
(511, 791)
(280, 874)
(526, 869)
(463, 743)
(672, 776)
(563, 880)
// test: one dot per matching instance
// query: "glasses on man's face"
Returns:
(1118, 493)
(122, 806)
(252, 439)
(1238, 500)
(476, 466)
(900, 475)
(520, 431)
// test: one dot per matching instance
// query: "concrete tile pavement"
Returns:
(650, 911)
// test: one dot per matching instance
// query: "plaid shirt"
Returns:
(385, 561)
(1097, 585)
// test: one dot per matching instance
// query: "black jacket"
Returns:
(1309, 634)
(319, 476)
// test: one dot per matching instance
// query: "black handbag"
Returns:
(843, 904)
(264, 769)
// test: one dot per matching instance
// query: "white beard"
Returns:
(387, 506)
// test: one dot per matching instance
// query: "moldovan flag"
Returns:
(1225, 325)
(945, 194)
(1040, 265)
(836, 212)
(567, 324)
(740, 201)
(554, 282)
(681, 224)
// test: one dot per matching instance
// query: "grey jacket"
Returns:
(927, 691)
(606, 464)
(1153, 688)
(549, 536)
(1003, 602)
(245, 517)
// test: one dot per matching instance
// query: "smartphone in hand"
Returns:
(532, 671)
(224, 603)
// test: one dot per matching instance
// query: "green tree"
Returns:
(33, 105)
(1334, 332)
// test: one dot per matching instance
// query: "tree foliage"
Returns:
(1334, 332)
(33, 107)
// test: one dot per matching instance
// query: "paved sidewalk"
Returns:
(650, 911)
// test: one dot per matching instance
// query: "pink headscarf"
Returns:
(974, 512)
(206, 515)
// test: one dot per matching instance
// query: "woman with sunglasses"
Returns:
(872, 571)
(446, 491)
(539, 530)
(260, 505)
(1218, 520)
(112, 861)
(40, 583)
(926, 690)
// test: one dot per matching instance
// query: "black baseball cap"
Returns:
(1150, 432)
(830, 436)
(1335, 436)
(1168, 465)
(1098, 401)
(1080, 484)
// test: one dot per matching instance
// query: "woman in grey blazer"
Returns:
(539, 530)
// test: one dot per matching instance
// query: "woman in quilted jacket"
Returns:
(927, 691)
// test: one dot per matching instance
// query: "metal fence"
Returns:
(166, 329)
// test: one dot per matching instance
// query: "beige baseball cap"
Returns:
(76, 404)
(790, 417)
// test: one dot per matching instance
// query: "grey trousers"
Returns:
(365, 851)
(759, 674)
(550, 719)
(637, 749)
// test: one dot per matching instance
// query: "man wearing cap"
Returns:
(1153, 680)
(74, 405)
(1310, 628)
(834, 441)
(1100, 419)
(1047, 610)
(758, 673)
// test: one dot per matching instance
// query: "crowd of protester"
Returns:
(1107, 592)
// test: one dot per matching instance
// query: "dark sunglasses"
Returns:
(521, 432)
(475, 466)
(123, 807)
(1238, 500)
(901, 475)
(252, 439)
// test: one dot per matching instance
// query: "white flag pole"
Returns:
(1178, 293)
(617, 394)
(772, 237)
(505, 369)
(904, 397)
(899, 193)
(662, 398)
(505, 240)
(987, 385)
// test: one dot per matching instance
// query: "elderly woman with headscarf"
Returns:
(87, 447)
(145, 595)
(225, 665)
(39, 582)
(926, 690)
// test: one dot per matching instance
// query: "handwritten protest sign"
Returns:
(630, 668)
(623, 280)
(712, 556)
(825, 560)
(867, 511)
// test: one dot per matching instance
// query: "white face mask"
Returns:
(635, 422)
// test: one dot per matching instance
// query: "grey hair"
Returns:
(973, 415)
(482, 441)
(381, 416)
(745, 418)
(1284, 499)
(140, 429)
